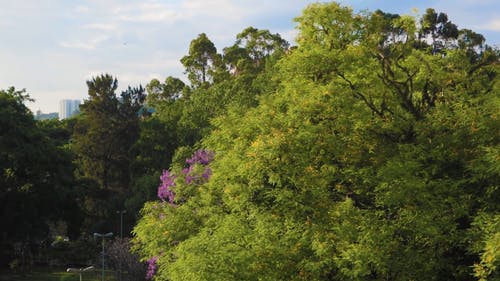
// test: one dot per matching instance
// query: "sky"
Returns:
(52, 47)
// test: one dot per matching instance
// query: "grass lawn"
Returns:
(52, 274)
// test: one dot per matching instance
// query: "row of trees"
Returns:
(367, 152)
(77, 173)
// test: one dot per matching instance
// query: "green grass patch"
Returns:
(53, 274)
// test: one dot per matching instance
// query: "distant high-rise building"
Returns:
(68, 108)
(43, 116)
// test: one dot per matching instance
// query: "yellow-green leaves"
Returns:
(367, 159)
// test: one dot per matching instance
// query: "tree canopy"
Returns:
(35, 176)
(373, 157)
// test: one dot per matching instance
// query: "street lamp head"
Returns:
(109, 234)
(90, 268)
(79, 270)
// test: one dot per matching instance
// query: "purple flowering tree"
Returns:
(195, 173)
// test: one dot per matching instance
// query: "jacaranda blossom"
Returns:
(207, 173)
(203, 157)
(195, 175)
(152, 267)
(165, 192)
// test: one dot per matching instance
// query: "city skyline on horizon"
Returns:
(39, 110)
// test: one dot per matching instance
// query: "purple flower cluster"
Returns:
(152, 267)
(203, 157)
(200, 157)
(165, 192)
(192, 177)
(207, 173)
(197, 172)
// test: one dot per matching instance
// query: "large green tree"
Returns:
(375, 158)
(35, 177)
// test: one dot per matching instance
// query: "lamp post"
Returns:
(121, 212)
(103, 236)
(80, 270)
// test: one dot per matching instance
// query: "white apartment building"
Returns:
(68, 108)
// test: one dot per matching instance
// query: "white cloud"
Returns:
(5, 23)
(101, 26)
(85, 45)
(220, 9)
(133, 79)
(146, 12)
(493, 25)
(139, 70)
(80, 9)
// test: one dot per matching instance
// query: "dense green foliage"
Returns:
(35, 176)
(370, 152)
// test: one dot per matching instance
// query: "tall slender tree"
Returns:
(103, 138)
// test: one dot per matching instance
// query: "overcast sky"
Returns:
(51, 47)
